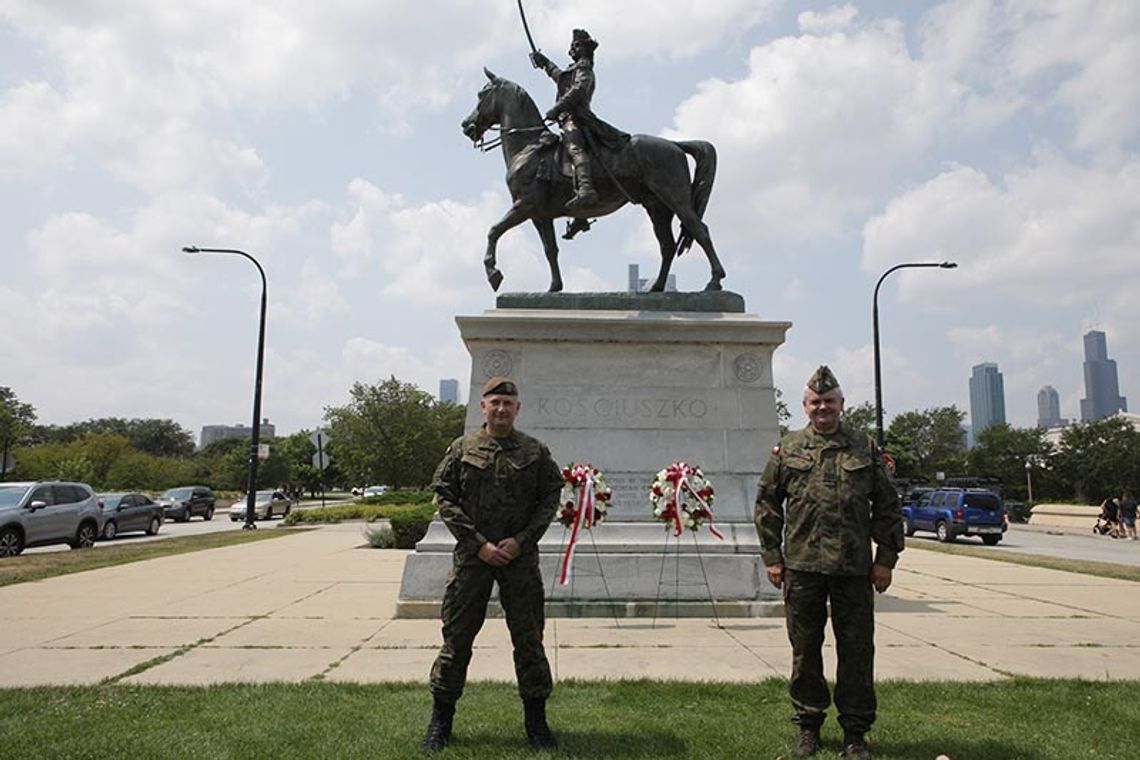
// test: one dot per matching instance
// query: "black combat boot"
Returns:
(807, 743)
(538, 734)
(439, 730)
(855, 747)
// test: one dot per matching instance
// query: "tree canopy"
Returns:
(928, 442)
(392, 433)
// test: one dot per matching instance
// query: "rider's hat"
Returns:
(583, 37)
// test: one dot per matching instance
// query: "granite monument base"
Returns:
(631, 383)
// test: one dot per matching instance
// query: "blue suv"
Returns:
(953, 512)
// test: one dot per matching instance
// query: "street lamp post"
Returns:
(1029, 481)
(875, 335)
(255, 442)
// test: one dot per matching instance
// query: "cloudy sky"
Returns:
(324, 139)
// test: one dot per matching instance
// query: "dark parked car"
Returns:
(126, 512)
(185, 502)
(953, 512)
(38, 513)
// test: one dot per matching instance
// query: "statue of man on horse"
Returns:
(646, 170)
(583, 133)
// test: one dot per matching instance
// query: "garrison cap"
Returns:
(500, 386)
(822, 380)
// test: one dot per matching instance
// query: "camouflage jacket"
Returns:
(488, 488)
(822, 499)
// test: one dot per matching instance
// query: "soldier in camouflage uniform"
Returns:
(824, 496)
(497, 490)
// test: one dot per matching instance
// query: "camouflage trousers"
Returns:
(806, 598)
(465, 609)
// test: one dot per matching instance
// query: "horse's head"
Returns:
(500, 102)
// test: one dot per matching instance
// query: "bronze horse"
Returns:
(650, 171)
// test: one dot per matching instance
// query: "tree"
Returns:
(1099, 459)
(1002, 451)
(392, 433)
(861, 417)
(164, 438)
(16, 419)
(928, 442)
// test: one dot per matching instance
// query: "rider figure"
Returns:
(581, 129)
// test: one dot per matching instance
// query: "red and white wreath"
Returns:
(585, 497)
(683, 497)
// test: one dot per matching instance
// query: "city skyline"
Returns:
(1102, 387)
(851, 137)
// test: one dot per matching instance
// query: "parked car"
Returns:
(186, 501)
(373, 491)
(126, 512)
(266, 504)
(953, 512)
(39, 513)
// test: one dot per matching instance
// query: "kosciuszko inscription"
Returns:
(615, 409)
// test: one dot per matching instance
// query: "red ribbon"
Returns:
(582, 476)
(678, 474)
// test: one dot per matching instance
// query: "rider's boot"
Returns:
(586, 196)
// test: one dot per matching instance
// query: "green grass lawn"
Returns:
(1022, 719)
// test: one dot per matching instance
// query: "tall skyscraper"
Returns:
(449, 391)
(1102, 390)
(987, 398)
(1049, 408)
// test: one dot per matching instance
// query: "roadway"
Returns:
(1065, 543)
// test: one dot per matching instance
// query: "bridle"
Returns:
(489, 145)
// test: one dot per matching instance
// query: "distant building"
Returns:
(987, 398)
(639, 285)
(1049, 409)
(449, 391)
(212, 433)
(1102, 390)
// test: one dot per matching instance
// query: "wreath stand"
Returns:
(574, 571)
(670, 537)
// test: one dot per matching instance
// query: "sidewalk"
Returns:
(318, 604)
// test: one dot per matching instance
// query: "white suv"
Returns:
(56, 512)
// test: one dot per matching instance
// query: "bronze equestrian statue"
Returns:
(650, 171)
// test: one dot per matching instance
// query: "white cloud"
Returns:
(1052, 231)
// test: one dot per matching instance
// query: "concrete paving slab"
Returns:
(730, 664)
(61, 667)
(300, 633)
(204, 666)
(316, 602)
(926, 663)
(148, 632)
(1095, 663)
(375, 665)
(346, 599)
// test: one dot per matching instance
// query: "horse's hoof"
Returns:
(555, 287)
(713, 285)
(496, 279)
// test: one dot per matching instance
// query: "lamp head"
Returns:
(948, 265)
(190, 249)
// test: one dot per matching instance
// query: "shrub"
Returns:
(409, 525)
(400, 497)
(380, 536)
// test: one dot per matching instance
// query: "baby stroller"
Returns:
(1102, 526)
(1106, 520)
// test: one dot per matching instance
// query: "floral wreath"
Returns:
(584, 502)
(683, 497)
(576, 476)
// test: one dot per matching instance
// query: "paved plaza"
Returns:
(321, 604)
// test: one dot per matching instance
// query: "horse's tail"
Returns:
(703, 175)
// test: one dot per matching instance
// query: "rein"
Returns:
(495, 142)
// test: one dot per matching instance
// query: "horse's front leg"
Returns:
(514, 217)
(545, 227)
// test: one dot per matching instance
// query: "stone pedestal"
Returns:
(632, 387)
